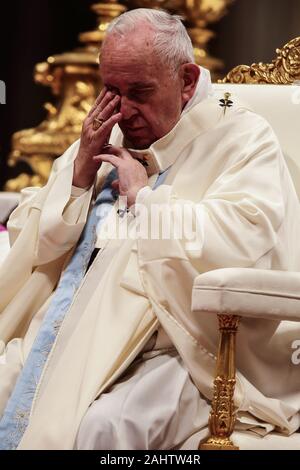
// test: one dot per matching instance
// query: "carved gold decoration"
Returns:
(222, 415)
(285, 69)
(75, 82)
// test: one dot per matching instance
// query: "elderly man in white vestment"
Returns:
(126, 364)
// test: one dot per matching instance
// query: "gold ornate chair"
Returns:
(272, 91)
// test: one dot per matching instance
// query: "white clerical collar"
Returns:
(156, 161)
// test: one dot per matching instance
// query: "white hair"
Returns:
(171, 40)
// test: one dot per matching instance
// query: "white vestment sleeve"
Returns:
(63, 213)
(61, 225)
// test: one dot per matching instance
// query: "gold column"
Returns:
(222, 415)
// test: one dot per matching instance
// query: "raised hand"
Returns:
(96, 130)
(132, 174)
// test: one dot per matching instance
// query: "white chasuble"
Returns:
(227, 168)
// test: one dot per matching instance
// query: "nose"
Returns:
(127, 108)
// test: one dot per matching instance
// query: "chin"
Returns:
(139, 143)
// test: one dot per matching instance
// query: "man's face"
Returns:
(151, 96)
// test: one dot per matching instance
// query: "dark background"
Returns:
(31, 30)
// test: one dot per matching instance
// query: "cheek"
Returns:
(169, 114)
(161, 114)
(170, 102)
(151, 116)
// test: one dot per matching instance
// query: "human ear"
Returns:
(190, 74)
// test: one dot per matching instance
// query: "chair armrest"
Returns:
(248, 292)
(232, 293)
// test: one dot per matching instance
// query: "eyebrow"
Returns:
(134, 85)
(142, 84)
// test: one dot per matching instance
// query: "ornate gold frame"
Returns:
(284, 70)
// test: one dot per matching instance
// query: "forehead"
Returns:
(130, 58)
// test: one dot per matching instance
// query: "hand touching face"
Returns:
(95, 134)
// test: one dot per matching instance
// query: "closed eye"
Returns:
(140, 94)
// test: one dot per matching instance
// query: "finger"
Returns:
(104, 157)
(98, 100)
(109, 108)
(107, 126)
(119, 151)
(135, 155)
(124, 153)
(98, 111)
(102, 135)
